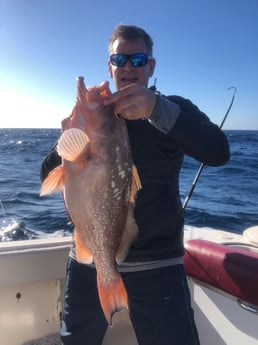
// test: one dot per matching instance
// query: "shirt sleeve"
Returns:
(164, 114)
(51, 161)
(190, 129)
(197, 136)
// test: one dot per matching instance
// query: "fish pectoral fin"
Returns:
(130, 233)
(82, 253)
(113, 296)
(53, 183)
(136, 184)
(72, 143)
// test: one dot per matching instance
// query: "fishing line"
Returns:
(202, 165)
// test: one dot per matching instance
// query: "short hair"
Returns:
(130, 33)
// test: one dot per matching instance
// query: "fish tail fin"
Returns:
(113, 297)
(54, 182)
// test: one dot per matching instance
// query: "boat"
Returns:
(222, 271)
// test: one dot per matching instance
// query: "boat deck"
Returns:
(31, 294)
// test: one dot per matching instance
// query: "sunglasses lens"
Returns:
(118, 60)
(137, 60)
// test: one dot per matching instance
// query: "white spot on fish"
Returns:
(122, 174)
(117, 193)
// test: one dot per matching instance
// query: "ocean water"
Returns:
(224, 198)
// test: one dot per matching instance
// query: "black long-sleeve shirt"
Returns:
(176, 127)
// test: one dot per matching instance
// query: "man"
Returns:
(161, 130)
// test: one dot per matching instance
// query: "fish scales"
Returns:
(99, 184)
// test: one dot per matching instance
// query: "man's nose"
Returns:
(128, 65)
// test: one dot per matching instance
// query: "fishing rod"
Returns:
(202, 165)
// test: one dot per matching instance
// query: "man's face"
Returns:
(128, 74)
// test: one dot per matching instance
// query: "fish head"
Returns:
(89, 113)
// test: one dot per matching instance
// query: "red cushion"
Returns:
(230, 269)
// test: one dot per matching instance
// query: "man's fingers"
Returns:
(126, 112)
(116, 96)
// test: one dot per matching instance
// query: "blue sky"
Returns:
(202, 48)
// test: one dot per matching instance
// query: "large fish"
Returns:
(99, 184)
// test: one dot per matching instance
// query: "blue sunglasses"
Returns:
(137, 60)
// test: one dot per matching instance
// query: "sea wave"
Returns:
(225, 197)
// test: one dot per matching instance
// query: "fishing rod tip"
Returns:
(232, 87)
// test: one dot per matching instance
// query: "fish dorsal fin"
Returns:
(136, 184)
(54, 182)
(72, 143)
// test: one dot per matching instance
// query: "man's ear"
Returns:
(152, 64)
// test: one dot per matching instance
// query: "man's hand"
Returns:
(133, 102)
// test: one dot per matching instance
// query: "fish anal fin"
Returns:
(136, 184)
(130, 233)
(53, 183)
(72, 143)
(82, 253)
(113, 297)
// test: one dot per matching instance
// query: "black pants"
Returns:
(159, 302)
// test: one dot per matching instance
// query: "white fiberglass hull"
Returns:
(32, 286)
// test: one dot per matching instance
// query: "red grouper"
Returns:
(99, 184)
